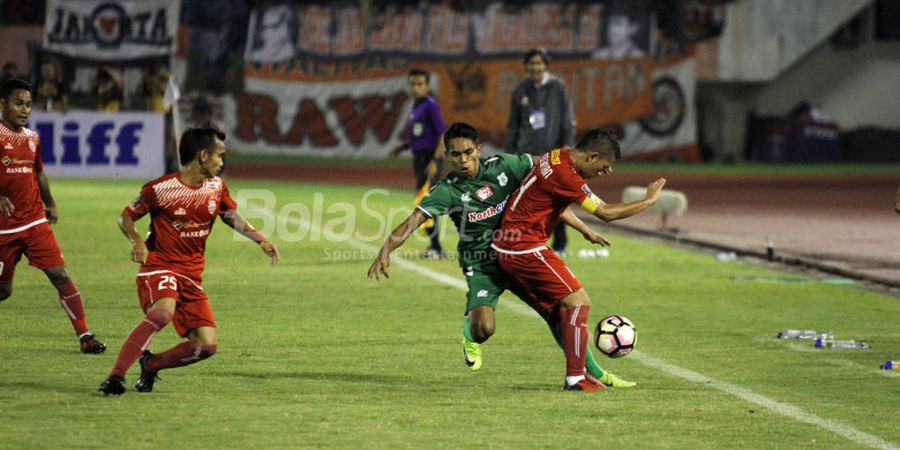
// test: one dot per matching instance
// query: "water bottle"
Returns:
(805, 334)
(891, 365)
(838, 344)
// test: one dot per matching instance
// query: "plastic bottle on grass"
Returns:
(805, 334)
(891, 365)
(841, 344)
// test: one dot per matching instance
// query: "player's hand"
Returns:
(139, 252)
(6, 207)
(654, 188)
(52, 214)
(271, 250)
(396, 151)
(380, 266)
(596, 238)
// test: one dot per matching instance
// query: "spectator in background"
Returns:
(540, 119)
(202, 116)
(153, 87)
(9, 71)
(424, 130)
(52, 94)
(108, 90)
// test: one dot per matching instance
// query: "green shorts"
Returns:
(486, 283)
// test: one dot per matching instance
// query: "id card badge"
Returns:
(537, 119)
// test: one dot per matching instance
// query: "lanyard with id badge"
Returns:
(537, 119)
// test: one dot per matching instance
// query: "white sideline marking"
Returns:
(784, 409)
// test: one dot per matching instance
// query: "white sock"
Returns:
(570, 380)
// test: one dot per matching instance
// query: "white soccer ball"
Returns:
(615, 336)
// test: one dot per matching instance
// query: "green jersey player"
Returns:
(474, 195)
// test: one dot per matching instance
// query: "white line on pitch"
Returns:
(784, 409)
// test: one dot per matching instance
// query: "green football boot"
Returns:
(472, 354)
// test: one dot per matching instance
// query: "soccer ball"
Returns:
(615, 336)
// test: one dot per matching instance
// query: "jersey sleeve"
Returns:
(142, 204)
(226, 203)
(437, 202)
(519, 164)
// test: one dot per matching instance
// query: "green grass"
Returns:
(313, 355)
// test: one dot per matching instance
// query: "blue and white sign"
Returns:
(106, 145)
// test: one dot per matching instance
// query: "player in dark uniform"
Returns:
(424, 130)
(183, 207)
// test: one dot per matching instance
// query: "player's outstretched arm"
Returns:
(570, 219)
(608, 212)
(393, 242)
(236, 221)
(49, 204)
(139, 250)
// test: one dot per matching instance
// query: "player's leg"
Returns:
(158, 314)
(573, 318)
(10, 253)
(420, 162)
(43, 252)
(481, 301)
(194, 320)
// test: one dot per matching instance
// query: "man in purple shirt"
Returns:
(424, 131)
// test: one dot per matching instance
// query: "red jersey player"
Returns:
(27, 210)
(557, 181)
(183, 207)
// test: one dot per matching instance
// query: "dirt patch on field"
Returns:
(847, 222)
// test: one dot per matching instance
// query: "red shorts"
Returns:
(192, 309)
(542, 273)
(37, 243)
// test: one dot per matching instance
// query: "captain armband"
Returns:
(591, 203)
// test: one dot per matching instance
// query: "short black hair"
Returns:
(420, 73)
(460, 130)
(11, 85)
(195, 139)
(594, 141)
(537, 51)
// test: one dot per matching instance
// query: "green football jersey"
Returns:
(476, 205)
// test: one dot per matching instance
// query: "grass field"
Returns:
(311, 354)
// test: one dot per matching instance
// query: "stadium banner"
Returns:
(669, 133)
(324, 91)
(112, 29)
(102, 145)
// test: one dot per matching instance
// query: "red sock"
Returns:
(573, 328)
(139, 339)
(70, 299)
(180, 355)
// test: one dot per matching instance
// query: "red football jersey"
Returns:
(21, 159)
(534, 209)
(181, 218)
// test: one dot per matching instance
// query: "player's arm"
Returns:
(573, 221)
(608, 212)
(397, 238)
(239, 224)
(49, 204)
(139, 250)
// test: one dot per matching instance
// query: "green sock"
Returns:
(590, 364)
(467, 329)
